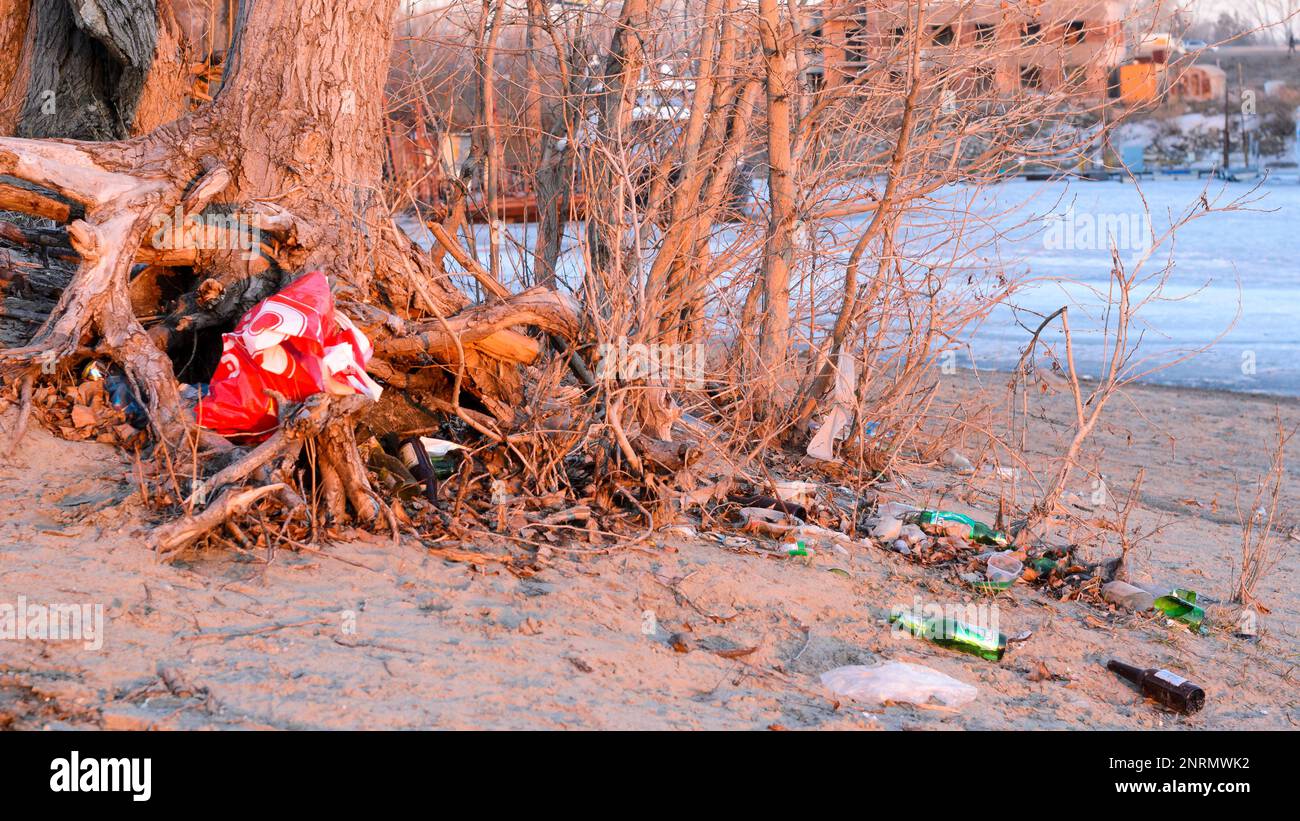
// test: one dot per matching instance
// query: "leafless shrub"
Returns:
(1262, 546)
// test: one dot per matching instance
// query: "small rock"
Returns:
(680, 642)
(912, 534)
(886, 528)
(957, 461)
(125, 718)
(900, 546)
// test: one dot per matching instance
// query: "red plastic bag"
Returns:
(293, 343)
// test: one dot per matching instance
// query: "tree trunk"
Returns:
(90, 69)
(14, 67)
(778, 254)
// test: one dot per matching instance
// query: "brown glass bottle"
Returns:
(1173, 691)
(413, 454)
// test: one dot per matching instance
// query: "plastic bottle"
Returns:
(1126, 595)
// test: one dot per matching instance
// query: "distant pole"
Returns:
(1245, 137)
(1227, 133)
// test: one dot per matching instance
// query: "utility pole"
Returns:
(1245, 136)
(1227, 133)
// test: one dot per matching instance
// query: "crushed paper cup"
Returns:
(294, 343)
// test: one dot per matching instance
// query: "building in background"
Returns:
(1200, 83)
(1003, 48)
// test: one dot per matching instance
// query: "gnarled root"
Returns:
(117, 190)
(323, 420)
(119, 207)
(171, 538)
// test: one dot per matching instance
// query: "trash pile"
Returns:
(804, 522)
(294, 344)
(101, 407)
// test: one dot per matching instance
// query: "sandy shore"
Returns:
(368, 635)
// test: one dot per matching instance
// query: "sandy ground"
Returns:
(368, 635)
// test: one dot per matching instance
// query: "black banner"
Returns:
(926, 771)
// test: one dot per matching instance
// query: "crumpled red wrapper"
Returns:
(294, 343)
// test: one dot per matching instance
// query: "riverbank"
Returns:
(365, 634)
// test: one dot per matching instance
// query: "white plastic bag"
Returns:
(822, 444)
(899, 682)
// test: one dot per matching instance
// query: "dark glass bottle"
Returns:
(1173, 691)
(413, 454)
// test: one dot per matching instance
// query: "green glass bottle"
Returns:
(977, 532)
(796, 548)
(957, 635)
(1181, 605)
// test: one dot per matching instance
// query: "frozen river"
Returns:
(1236, 274)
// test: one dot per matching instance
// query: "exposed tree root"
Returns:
(308, 181)
(24, 414)
(171, 538)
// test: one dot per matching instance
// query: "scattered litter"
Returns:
(899, 682)
(798, 492)
(685, 531)
(912, 534)
(895, 510)
(768, 522)
(833, 427)
(959, 524)
(885, 528)
(293, 343)
(956, 460)
(1123, 594)
(734, 542)
(393, 476)
(1169, 689)
(120, 393)
(429, 460)
(1180, 605)
(954, 634)
(771, 503)
(796, 548)
(1003, 568)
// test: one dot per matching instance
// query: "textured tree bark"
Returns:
(14, 61)
(86, 65)
(555, 162)
(778, 252)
